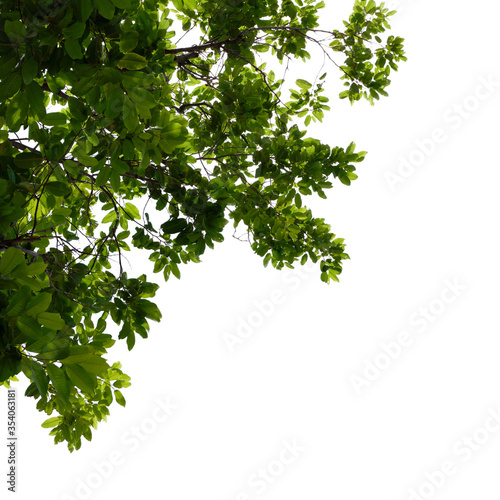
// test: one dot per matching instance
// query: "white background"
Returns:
(291, 380)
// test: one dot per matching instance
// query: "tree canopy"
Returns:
(114, 134)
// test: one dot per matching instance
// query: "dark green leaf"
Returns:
(105, 8)
(73, 48)
(29, 69)
(54, 119)
(74, 31)
(35, 98)
(8, 62)
(121, 4)
(28, 160)
(58, 188)
(174, 226)
(119, 398)
(10, 85)
(130, 118)
(35, 372)
(9, 366)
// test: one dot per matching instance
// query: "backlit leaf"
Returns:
(132, 61)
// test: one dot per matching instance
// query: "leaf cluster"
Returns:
(115, 137)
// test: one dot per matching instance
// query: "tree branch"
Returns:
(60, 94)
(22, 147)
(205, 46)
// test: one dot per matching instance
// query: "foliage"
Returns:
(99, 106)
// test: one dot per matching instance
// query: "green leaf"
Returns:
(9, 367)
(52, 422)
(35, 98)
(105, 8)
(84, 9)
(58, 188)
(83, 85)
(174, 226)
(175, 270)
(35, 372)
(77, 109)
(371, 7)
(130, 340)
(8, 62)
(142, 98)
(148, 308)
(78, 354)
(129, 41)
(39, 304)
(93, 139)
(29, 70)
(36, 268)
(18, 302)
(38, 344)
(28, 160)
(132, 61)
(59, 380)
(55, 350)
(122, 4)
(119, 165)
(88, 161)
(81, 378)
(119, 398)
(10, 85)
(186, 6)
(115, 98)
(51, 320)
(115, 179)
(15, 30)
(103, 175)
(298, 200)
(87, 433)
(17, 112)
(96, 365)
(74, 31)
(173, 135)
(20, 271)
(131, 211)
(73, 48)
(54, 119)
(303, 84)
(29, 327)
(23, 279)
(109, 217)
(130, 118)
(10, 259)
